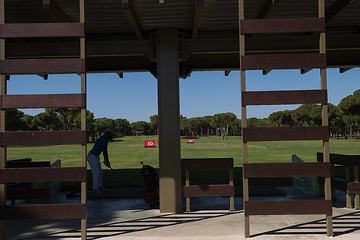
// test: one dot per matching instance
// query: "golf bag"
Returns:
(151, 185)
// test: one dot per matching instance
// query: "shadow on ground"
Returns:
(117, 228)
(342, 224)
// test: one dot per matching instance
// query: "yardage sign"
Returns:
(149, 143)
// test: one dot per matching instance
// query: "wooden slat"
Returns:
(43, 211)
(27, 164)
(285, 133)
(29, 66)
(339, 184)
(265, 170)
(42, 138)
(208, 191)
(62, 174)
(353, 187)
(22, 160)
(28, 30)
(341, 159)
(288, 207)
(43, 101)
(284, 97)
(207, 163)
(284, 25)
(283, 61)
(346, 160)
(27, 193)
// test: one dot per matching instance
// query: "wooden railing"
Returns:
(348, 185)
(208, 190)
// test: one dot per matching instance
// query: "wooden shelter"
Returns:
(170, 39)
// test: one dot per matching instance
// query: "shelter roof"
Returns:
(121, 34)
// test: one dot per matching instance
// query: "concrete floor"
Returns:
(132, 219)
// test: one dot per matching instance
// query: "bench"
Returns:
(347, 185)
(189, 191)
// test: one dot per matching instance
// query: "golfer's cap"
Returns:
(112, 131)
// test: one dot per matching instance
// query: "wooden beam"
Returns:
(42, 138)
(266, 71)
(42, 101)
(43, 174)
(266, 11)
(121, 74)
(44, 76)
(342, 70)
(339, 7)
(288, 207)
(268, 8)
(285, 134)
(208, 191)
(284, 25)
(198, 4)
(42, 66)
(271, 170)
(186, 73)
(132, 18)
(303, 71)
(26, 30)
(283, 61)
(207, 164)
(284, 97)
(341, 159)
(56, 12)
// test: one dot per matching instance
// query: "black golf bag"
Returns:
(151, 185)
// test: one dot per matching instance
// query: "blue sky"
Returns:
(134, 97)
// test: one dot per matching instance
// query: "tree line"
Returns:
(344, 121)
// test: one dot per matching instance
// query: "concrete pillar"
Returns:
(169, 120)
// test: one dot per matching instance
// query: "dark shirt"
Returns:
(99, 144)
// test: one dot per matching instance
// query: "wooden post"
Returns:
(325, 121)
(187, 183)
(243, 117)
(3, 91)
(169, 120)
(83, 123)
(347, 178)
(333, 190)
(231, 183)
(356, 179)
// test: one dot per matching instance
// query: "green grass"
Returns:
(126, 153)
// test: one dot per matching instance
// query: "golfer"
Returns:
(93, 158)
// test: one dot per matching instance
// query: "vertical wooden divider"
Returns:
(187, 183)
(83, 121)
(231, 183)
(3, 91)
(325, 121)
(323, 78)
(243, 116)
(356, 180)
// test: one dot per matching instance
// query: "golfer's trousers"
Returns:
(94, 162)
